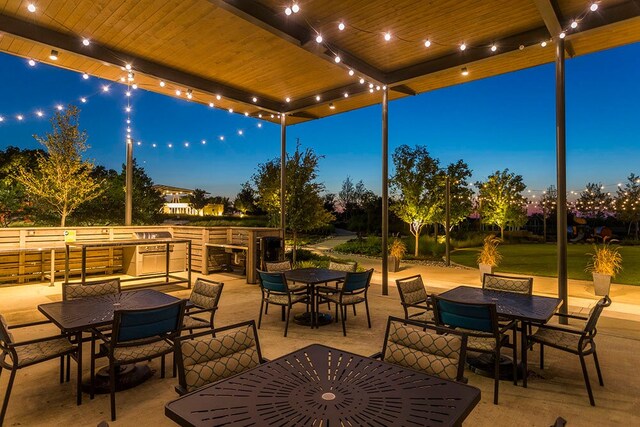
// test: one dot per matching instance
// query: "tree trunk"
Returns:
(295, 246)
(501, 233)
(637, 229)
(417, 234)
(435, 232)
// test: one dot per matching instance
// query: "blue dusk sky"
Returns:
(506, 121)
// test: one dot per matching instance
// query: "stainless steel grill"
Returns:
(151, 258)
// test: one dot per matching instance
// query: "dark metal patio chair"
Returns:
(353, 291)
(139, 335)
(346, 267)
(496, 282)
(27, 353)
(413, 296)
(574, 340)
(275, 290)
(204, 299)
(479, 322)
(435, 350)
(209, 356)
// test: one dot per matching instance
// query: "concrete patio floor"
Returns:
(558, 390)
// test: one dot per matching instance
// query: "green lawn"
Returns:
(540, 260)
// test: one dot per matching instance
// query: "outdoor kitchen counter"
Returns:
(167, 242)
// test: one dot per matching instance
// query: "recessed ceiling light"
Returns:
(53, 55)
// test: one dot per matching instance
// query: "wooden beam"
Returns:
(70, 43)
(550, 13)
(303, 36)
(332, 95)
(403, 89)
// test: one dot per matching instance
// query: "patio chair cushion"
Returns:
(77, 291)
(208, 359)
(351, 266)
(275, 267)
(427, 316)
(36, 352)
(412, 290)
(346, 298)
(562, 339)
(205, 294)
(283, 299)
(425, 351)
(508, 284)
(483, 343)
(192, 322)
(143, 351)
(296, 287)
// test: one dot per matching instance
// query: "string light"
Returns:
(574, 24)
(134, 86)
(86, 42)
(319, 38)
(543, 44)
(162, 84)
(32, 63)
(230, 110)
(463, 46)
(295, 8)
(494, 48)
(31, 7)
(593, 7)
(351, 72)
(218, 97)
(105, 88)
(288, 11)
(127, 66)
(178, 92)
(39, 113)
(287, 99)
(317, 97)
(346, 94)
(427, 43)
(259, 125)
(246, 114)
(211, 104)
(562, 35)
(254, 99)
(240, 132)
(20, 117)
(387, 36)
(337, 59)
(361, 81)
(83, 100)
(59, 107)
(221, 137)
(341, 26)
(85, 76)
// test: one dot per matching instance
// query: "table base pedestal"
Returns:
(483, 364)
(127, 377)
(305, 319)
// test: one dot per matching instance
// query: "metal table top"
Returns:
(314, 276)
(123, 242)
(85, 313)
(530, 308)
(323, 386)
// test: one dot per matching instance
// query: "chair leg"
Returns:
(69, 367)
(266, 308)
(515, 356)
(344, 320)
(337, 305)
(283, 311)
(586, 380)
(595, 359)
(260, 316)
(93, 365)
(354, 310)
(286, 326)
(112, 389)
(61, 369)
(496, 376)
(541, 356)
(5, 403)
(366, 306)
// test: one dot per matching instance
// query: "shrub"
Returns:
(605, 260)
(371, 246)
(489, 253)
(397, 248)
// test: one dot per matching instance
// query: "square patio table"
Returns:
(312, 277)
(79, 315)
(527, 309)
(324, 386)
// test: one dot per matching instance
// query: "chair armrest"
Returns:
(327, 289)
(377, 355)
(560, 328)
(26, 325)
(423, 307)
(202, 310)
(100, 335)
(38, 340)
(504, 328)
(571, 316)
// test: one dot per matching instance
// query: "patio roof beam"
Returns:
(300, 35)
(550, 13)
(69, 43)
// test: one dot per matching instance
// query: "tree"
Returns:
(303, 203)
(63, 179)
(245, 200)
(593, 202)
(500, 200)
(346, 196)
(198, 199)
(628, 203)
(12, 195)
(547, 206)
(414, 182)
(460, 194)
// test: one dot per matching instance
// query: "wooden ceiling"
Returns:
(249, 56)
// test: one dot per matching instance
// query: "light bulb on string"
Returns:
(31, 7)
(218, 97)
(127, 67)
(287, 99)
(387, 36)
(39, 113)
(240, 132)
(295, 8)
(32, 63)
(346, 94)
(254, 99)
(341, 26)
(128, 93)
(59, 107)
(319, 38)
(86, 42)
(178, 92)
(230, 110)
(211, 104)
(562, 35)
(361, 81)
(593, 7)
(162, 84)
(351, 72)
(85, 76)
(337, 59)
(204, 142)
(543, 44)
(427, 43)
(259, 125)
(317, 97)
(19, 117)
(221, 138)
(246, 114)
(574, 24)
(288, 11)
(463, 47)
(83, 100)
(494, 48)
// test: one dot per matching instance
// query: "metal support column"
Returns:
(561, 170)
(385, 191)
(447, 221)
(128, 197)
(283, 173)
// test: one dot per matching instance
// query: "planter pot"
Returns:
(394, 264)
(485, 269)
(601, 284)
